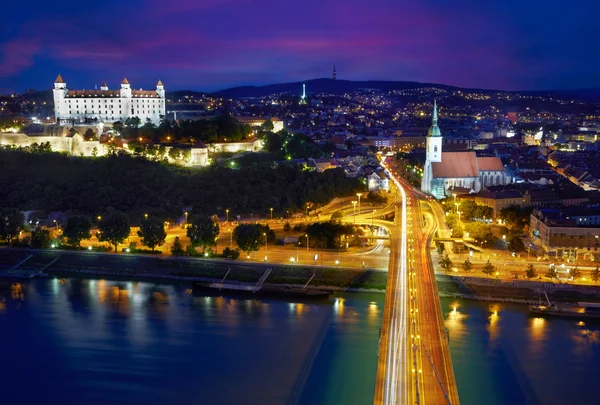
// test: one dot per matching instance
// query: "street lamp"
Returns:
(99, 218)
(227, 213)
(145, 216)
(306, 242)
(271, 214)
(358, 195)
(266, 245)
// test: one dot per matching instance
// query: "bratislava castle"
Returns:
(104, 105)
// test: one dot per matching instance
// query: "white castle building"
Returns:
(457, 170)
(104, 105)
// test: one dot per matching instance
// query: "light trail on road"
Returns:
(414, 365)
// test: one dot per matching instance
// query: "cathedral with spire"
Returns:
(105, 105)
(447, 173)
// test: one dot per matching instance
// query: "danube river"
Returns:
(74, 341)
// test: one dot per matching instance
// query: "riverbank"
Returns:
(192, 269)
(182, 269)
(516, 291)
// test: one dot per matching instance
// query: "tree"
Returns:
(40, 238)
(440, 247)
(152, 231)
(231, 253)
(488, 268)
(446, 263)
(177, 248)
(11, 223)
(595, 274)
(468, 207)
(551, 273)
(77, 228)
(530, 271)
(287, 227)
(174, 153)
(114, 227)
(247, 237)
(203, 232)
(268, 125)
(482, 233)
(575, 273)
(515, 243)
(90, 135)
(467, 265)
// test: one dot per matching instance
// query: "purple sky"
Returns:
(214, 44)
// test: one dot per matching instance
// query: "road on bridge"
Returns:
(414, 365)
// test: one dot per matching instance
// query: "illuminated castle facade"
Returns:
(104, 105)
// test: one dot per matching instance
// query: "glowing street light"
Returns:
(227, 213)
(266, 245)
(306, 242)
(186, 217)
(358, 195)
(271, 214)
(145, 216)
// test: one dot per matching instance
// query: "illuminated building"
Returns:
(104, 105)
(456, 170)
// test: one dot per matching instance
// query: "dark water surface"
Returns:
(79, 341)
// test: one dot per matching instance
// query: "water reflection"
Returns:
(492, 326)
(125, 342)
(455, 321)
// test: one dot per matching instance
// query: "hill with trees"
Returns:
(54, 182)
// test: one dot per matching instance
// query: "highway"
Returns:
(414, 364)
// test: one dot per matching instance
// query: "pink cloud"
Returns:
(17, 55)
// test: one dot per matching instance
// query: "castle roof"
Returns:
(455, 165)
(104, 84)
(59, 79)
(110, 93)
(159, 83)
(125, 81)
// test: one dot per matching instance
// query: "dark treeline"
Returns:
(221, 128)
(55, 182)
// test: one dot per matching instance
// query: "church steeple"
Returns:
(434, 130)
(334, 73)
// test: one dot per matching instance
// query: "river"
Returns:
(74, 341)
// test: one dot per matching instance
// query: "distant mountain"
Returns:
(344, 86)
(322, 86)
(591, 95)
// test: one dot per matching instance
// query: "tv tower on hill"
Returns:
(334, 73)
(303, 97)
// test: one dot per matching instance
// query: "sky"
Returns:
(209, 45)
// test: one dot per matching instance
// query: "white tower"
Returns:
(125, 88)
(104, 86)
(60, 90)
(303, 97)
(160, 89)
(433, 151)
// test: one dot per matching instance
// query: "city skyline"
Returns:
(212, 45)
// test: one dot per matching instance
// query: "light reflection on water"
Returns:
(504, 355)
(106, 341)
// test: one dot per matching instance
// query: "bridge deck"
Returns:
(414, 365)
